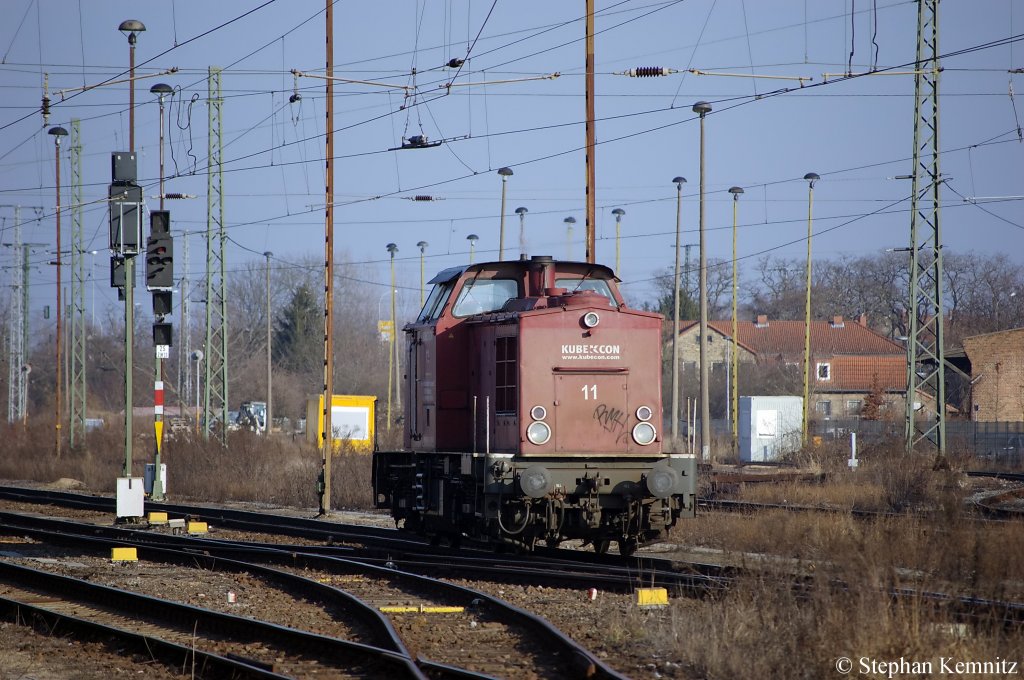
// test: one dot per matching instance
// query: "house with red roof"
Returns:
(847, 359)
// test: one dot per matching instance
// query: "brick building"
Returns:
(847, 357)
(997, 375)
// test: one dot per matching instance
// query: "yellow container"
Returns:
(124, 555)
(352, 420)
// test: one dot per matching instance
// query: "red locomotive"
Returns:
(532, 412)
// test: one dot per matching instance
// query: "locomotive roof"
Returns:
(591, 270)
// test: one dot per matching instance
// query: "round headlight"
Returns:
(535, 481)
(538, 433)
(538, 412)
(644, 434)
(591, 319)
(644, 413)
(661, 481)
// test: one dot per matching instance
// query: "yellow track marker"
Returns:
(422, 610)
(197, 528)
(124, 555)
(652, 597)
(157, 517)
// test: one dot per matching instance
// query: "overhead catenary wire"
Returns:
(1011, 43)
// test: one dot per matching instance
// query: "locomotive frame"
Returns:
(531, 397)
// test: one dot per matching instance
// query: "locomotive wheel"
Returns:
(601, 546)
(627, 547)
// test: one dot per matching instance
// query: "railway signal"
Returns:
(160, 252)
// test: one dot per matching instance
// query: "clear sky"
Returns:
(856, 133)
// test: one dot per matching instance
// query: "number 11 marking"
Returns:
(589, 392)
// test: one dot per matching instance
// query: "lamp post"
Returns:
(161, 90)
(521, 211)
(702, 108)
(131, 28)
(505, 174)
(270, 380)
(811, 178)
(679, 182)
(734, 392)
(392, 249)
(569, 221)
(618, 212)
(57, 133)
(472, 238)
(422, 245)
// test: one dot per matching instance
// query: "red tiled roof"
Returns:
(856, 373)
(785, 339)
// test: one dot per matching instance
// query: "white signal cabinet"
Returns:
(769, 427)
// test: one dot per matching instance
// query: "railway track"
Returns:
(184, 636)
(557, 567)
(499, 639)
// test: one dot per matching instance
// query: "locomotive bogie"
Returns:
(498, 497)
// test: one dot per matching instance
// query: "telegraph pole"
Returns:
(328, 389)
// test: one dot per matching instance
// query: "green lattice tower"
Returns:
(216, 394)
(76, 393)
(925, 351)
(16, 348)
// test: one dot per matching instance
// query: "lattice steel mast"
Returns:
(77, 372)
(925, 351)
(216, 394)
(16, 336)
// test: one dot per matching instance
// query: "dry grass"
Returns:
(761, 630)
(273, 470)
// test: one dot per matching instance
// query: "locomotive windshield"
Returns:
(484, 295)
(599, 286)
(439, 295)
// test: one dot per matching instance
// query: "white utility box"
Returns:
(130, 497)
(150, 469)
(769, 427)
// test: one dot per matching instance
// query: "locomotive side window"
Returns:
(505, 373)
(484, 295)
(435, 302)
(597, 285)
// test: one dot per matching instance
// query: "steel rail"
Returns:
(55, 531)
(185, 617)
(579, 658)
(207, 664)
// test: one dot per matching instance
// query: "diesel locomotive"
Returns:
(533, 413)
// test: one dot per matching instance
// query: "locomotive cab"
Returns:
(532, 411)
